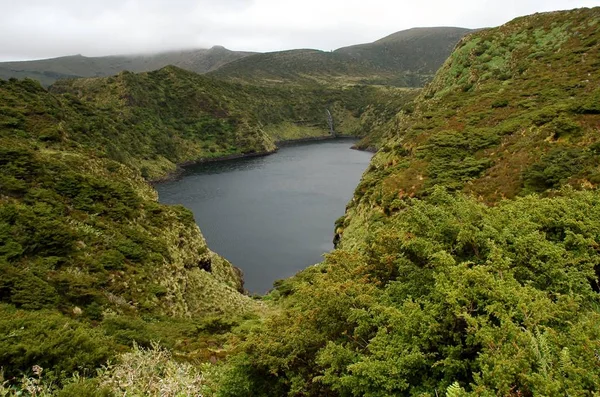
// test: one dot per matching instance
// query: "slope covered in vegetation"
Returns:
(90, 261)
(404, 59)
(467, 261)
(172, 116)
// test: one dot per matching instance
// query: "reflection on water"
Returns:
(243, 164)
(271, 216)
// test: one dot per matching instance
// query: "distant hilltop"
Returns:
(405, 58)
(47, 71)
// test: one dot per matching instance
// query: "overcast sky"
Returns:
(34, 29)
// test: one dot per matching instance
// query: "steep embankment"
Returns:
(172, 116)
(405, 59)
(431, 289)
(88, 257)
(48, 71)
(89, 261)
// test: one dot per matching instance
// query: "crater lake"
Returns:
(271, 216)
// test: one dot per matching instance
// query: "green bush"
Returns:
(499, 299)
(51, 340)
(554, 169)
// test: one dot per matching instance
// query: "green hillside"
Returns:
(467, 262)
(431, 289)
(172, 116)
(419, 50)
(89, 259)
(405, 59)
(47, 71)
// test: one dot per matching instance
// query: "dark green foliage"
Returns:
(449, 290)
(591, 105)
(84, 388)
(112, 260)
(501, 103)
(554, 169)
(50, 340)
(431, 290)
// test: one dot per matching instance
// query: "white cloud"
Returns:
(44, 28)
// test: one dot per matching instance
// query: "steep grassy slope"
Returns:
(88, 257)
(47, 71)
(405, 59)
(89, 260)
(507, 107)
(171, 116)
(431, 289)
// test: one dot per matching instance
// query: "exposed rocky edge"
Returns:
(450, 276)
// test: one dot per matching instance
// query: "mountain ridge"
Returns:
(47, 71)
(406, 58)
(386, 61)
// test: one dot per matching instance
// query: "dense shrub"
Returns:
(501, 300)
(50, 340)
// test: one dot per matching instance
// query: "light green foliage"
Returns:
(454, 390)
(151, 372)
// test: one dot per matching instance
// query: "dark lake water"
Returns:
(271, 216)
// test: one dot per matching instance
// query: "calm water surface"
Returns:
(271, 216)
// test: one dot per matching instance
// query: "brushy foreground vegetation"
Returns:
(91, 262)
(467, 262)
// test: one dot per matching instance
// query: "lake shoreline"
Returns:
(178, 172)
(271, 216)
